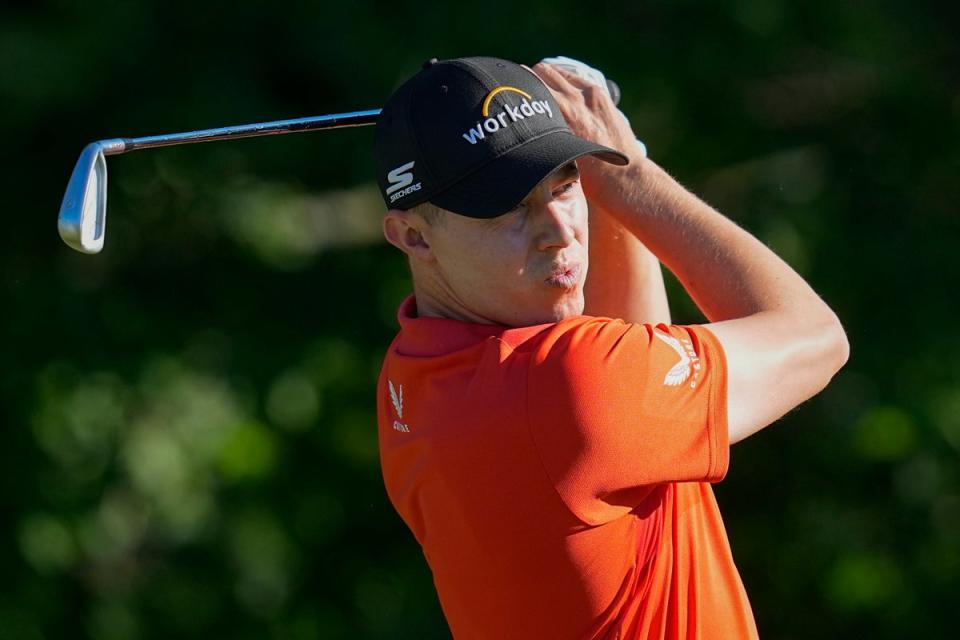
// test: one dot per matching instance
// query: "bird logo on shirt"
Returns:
(679, 373)
(396, 397)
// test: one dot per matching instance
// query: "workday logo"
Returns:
(491, 124)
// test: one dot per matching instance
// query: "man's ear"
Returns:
(404, 230)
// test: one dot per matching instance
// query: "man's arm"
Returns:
(783, 344)
(624, 279)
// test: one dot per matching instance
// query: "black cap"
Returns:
(473, 136)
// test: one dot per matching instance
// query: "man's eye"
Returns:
(565, 188)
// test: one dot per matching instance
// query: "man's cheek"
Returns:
(581, 212)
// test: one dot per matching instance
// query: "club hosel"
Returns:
(113, 146)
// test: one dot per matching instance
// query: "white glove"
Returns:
(578, 68)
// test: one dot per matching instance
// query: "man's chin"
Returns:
(569, 307)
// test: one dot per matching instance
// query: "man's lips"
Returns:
(565, 277)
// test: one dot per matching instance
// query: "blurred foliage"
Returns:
(189, 442)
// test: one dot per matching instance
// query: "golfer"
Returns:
(546, 433)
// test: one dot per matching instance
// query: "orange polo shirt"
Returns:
(556, 476)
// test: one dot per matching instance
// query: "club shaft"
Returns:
(332, 121)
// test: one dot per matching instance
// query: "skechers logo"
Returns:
(527, 108)
(401, 182)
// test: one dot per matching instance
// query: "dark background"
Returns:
(188, 442)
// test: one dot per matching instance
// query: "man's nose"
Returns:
(557, 228)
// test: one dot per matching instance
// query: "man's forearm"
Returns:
(729, 273)
(624, 279)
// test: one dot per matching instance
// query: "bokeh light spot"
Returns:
(293, 402)
(885, 433)
(46, 543)
(862, 581)
(249, 452)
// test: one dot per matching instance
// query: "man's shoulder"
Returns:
(581, 335)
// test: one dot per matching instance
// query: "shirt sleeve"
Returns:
(616, 409)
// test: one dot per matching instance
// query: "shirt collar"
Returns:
(430, 336)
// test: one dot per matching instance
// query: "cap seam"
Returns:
(470, 67)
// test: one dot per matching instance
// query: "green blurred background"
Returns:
(189, 443)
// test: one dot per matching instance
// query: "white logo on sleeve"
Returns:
(401, 182)
(396, 397)
(689, 361)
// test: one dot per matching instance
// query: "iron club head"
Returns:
(84, 209)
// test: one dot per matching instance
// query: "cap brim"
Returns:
(502, 184)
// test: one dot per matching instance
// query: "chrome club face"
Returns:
(82, 220)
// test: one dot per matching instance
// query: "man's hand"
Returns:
(587, 108)
(592, 115)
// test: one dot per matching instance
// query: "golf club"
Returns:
(83, 213)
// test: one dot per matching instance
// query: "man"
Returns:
(549, 437)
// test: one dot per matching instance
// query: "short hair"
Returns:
(430, 212)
